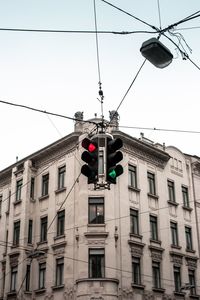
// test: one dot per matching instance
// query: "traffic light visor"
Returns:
(89, 145)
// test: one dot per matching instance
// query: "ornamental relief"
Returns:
(138, 251)
(176, 259)
(191, 263)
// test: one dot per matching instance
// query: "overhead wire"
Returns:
(159, 129)
(127, 13)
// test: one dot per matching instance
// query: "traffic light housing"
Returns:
(90, 156)
(113, 156)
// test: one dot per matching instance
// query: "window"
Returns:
(177, 279)
(42, 275)
(61, 177)
(171, 191)
(59, 271)
(16, 233)
(28, 277)
(30, 231)
(154, 227)
(192, 281)
(45, 185)
(151, 181)
(186, 202)
(156, 274)
(32, 189)
(136, 270)
(61, 223)
(1, 201)
(43, 229)
(174, 233)
(188, 237)
(132, 176)
(13, 280)
(18, 189)
(96, 210)
(96, 263)
(134, 221)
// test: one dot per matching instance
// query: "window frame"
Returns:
(156, 274)
(42, 275)
(61, 223)
(171, 191)
(28, 278)
(18, 195)
(134, 222)
(43, 228)
(96, 263)
(16, 233)
(13, 278)
(151, 183)
(136, 270)
(32, 188)
(30, 231)
(132, 176)
(61, 177)
(59, 280)
(185, 196)
(177, 278)
(95, 204)
(153, 227)
(192, 280)
(188, 238)
(174, 233)
(45, 184)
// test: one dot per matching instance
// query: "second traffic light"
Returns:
(113, 156)
(90, 156)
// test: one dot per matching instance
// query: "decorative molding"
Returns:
(176, 258)
(96, 234)
(191, 261)
(136, 248)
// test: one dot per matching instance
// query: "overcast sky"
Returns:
(57, 72)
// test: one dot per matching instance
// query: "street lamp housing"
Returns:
(154, 51)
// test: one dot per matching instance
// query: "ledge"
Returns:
(187, 208)
(60, 190)
(176, 247)
(17, 202)
(190, 250)
(96, 234)
(138, 236)
(58, 287)
(180, 294)
(172, 203)
(11, 294)
(59, 237)
(115, 280)
(134, 189)
(158, 290)
(43, 197)
(138, 286)
(194, 296)
(40, 291)
(153, 196)
(155, 241)
(59, 245)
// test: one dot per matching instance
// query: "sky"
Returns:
(58, 72)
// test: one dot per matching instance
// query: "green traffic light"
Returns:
(112, 174)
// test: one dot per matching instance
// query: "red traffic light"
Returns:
(89, 145)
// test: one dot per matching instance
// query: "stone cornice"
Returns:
(143, 150)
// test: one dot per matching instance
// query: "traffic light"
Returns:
(113, 156)
(90, 156)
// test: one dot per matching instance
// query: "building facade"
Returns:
(62, 239)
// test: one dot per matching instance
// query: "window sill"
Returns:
(190, 250)
(138, 286)
(12, 293)
(40, 291)
(158, 290)
(60, 190)
(176, 247)
(42, 243)
(153, 196)
(155, 241)
(134, 235)
(28, 292)
(58, 287)
(187, 208)
(43, 197)
(194, 296)
(32, 200)
(96, 225)
(17, 202)
(135, 189)
(59, 237)
(13, 246)
(172, 203)
(180, 294)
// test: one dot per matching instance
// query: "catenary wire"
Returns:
(75, 31)
(159, 129)
(45, 112)
(127, 13)
(135, 77)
